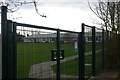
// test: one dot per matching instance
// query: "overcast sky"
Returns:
(63, 14)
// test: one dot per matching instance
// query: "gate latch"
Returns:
(54, 54)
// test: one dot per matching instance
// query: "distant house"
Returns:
(64, 37)
(40, 38)
(51, 37)
(98, 37)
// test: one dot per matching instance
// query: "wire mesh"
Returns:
(111, 49)
(0, 56)
(98, 49)
(88, 51)
(34, 48)
(107, 37)
(69, 65)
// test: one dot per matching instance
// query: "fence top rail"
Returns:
(42, 27)
(69, 31)
(88, 25)
(92, 26)
(35, 26)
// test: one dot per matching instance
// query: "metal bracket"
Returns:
(54, 54)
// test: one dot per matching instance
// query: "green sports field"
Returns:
(33, 53)
(71, 67)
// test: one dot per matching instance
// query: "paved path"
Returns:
(44, 70)
(106, 74)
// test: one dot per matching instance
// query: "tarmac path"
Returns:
(44, 70)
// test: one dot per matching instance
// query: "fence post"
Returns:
(103, 59)
(10, 54)
(107, 50)
(81, 50)
(58, 54)
(4, 41)
(14, 51)
(93, 52)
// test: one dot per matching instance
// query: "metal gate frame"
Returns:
(93, 51)
(58, 47)
(9, 48)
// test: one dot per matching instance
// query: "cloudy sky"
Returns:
(63, 14)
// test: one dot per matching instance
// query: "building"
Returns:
(98, 37)
(64, 37)
(51, 37)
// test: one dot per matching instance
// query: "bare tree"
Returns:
(14, 5)
(37, 11)
(108, 13)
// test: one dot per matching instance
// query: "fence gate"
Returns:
(88, 33)
(93, 49)
(35, 47)
(42, 53)
(69, 65)
(37, 52)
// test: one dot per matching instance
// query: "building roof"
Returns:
(52, 35)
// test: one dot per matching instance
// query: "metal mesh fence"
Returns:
(111, 48)
(88, 51)
(34, 53)
(0, 56)
(105, 48)
(37, 53)
(38, 49)
(98, 49)
(107, 44)
(69, 65)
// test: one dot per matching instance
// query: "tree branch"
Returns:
(37, 11)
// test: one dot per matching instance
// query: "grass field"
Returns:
(71, 67)
(33, 53)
